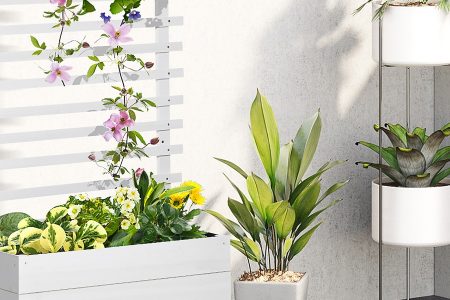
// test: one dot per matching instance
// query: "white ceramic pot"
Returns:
(271, 290)
(413, 217)
(413, 35)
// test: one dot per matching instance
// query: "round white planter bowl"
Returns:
(413, 217)
(413, 36)
(244, 290)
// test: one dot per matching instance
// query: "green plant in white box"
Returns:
(277, 218)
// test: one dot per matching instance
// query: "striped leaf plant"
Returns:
(276, 216)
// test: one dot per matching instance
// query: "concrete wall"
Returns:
(303, 55)
(442, 116)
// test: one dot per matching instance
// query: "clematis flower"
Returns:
(58, 71)
(115, 129)
(105, 18)
(59, 2)
(134, 15)
(119, 35)
(125, 120)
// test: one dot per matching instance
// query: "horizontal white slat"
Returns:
(98, 51)
(17, 112)
(74, 188)
(55, 134)
(86, 25)
(14, 84)
(51, 160)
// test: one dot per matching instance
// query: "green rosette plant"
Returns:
(414, 159)
(275, 222)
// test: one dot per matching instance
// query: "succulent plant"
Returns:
(415, 159)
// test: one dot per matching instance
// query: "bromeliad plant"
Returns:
(275, 222)
(415, 159)
(442, 4)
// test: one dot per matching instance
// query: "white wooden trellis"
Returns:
(21, 199)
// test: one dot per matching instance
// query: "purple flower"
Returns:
(105, 18)
(92, 157)
(125, 120)
(115, 129)
(134, 15)
(58, 2)
(58, 71)
(119, 35)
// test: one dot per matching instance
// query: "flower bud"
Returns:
(92, 157)
(86, 45)
(149, 65)
(154, 141)
(139, 172)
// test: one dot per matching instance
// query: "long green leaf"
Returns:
(233, 166)
(399, 131)
(440, 176)
(244, 217)
(300, 244)
(265, 134)
(306, 201)
(275, 210)
(243, 197)
(306, 141)
(253, 248)
(283, 169)
(245, 251)
(311, 218)
(231, 226)
(284, 225)
(260, 193)
(442, 154)
(388, 154)
(335, 187)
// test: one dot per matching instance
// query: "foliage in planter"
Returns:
(147, 213)
(275, 222)
(415, 159)
(442, 4)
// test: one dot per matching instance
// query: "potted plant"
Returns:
(414, 32)
(416, 193)
(275, 219)
(45, 257)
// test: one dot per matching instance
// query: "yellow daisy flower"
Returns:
(195, 194)
(177, 200)
(197, 198)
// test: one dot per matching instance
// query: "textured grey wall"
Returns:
(302, 55)
(442, 116)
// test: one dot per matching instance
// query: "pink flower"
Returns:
(139, 172)
(58, 71)
(119, 35)
(115, 129)
(125, 120)
(59, 2)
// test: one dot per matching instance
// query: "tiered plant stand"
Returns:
(406, 37)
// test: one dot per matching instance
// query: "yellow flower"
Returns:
(196, 193)
(197, 198)
(125, 224)
(177, 200)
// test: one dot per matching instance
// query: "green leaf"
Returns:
(306, 201)
(115, 8)
(244, 217)
(238, 245)
(233, 166)
(282, 186)
(306, 141)
(37, 52)
(91, 70)
(421, 133)
(94, 58)
(392, 173)
(176, 190)
(122, 238)
(300, 244)
(388, 154)
(399, 131)
(87, 7)
(284, 225)
(395, 140)
(229, 225)
(265, 134)
(260, 193)
(9, 222)
(253, 246)
(244, 198)
(287, 246)
(335, 187)
(440, 176)
(35, 42)
(442, 154)
(275, 210)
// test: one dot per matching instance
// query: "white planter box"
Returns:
(244, 290)
(413, 217)
(189, 270)
(413, 35)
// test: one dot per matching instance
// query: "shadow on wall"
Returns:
(314, 56)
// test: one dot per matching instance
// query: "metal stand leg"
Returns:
(380, 174)
(408, 127)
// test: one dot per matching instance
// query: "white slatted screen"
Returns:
(47, 131)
